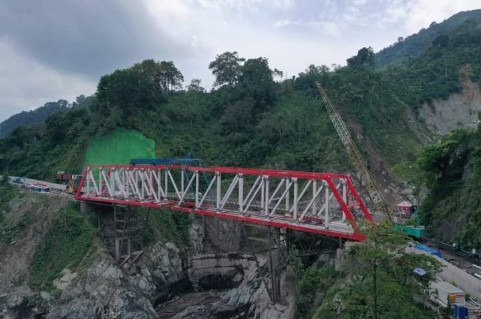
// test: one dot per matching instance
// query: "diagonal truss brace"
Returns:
(323, 203)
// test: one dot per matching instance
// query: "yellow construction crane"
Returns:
(354, 154)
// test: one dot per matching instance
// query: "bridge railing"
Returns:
(314, 202)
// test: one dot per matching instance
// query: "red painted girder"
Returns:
(327, 177)
(358, 199)
(272, 222)
(172, 205)
(231, 170)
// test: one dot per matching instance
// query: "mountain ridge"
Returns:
(416, 44)
(36, 116)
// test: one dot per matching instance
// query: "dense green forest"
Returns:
(253, 118)
(415, 45)
(249, 119)
(452, 172)
(38, 115)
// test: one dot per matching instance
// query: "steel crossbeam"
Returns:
(322, 203)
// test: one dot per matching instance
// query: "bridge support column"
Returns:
(86, 207)
(277, 260)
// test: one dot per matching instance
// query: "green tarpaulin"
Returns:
(119, 147)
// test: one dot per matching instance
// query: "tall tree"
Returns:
(171, 76)
(195, 86)
(306, 80)
(364, 58)
(130, 91)
(227, 68)
(382, 270)
(256, 81)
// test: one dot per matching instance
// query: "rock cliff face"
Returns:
(221, 260)
(17, 299)
(216, 274)
(103, 292)
(459, 110)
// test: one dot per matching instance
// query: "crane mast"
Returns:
(353, 153)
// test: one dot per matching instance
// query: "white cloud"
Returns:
(26, 84)
(174, 12)
(420, 13)
(397, 11)
(245, 4)
(332, 29)
(282, 23)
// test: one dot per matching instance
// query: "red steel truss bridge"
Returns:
(320, 203)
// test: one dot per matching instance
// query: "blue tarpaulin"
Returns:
(429, 250)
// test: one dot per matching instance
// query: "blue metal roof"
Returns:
(419, 271)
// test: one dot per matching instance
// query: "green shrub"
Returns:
(313, 280)
(65, 245)
(164, 226)
(8, 192)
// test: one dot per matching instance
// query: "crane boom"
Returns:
(353, 153)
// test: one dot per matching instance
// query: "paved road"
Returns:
(25, 180)
(61, 187)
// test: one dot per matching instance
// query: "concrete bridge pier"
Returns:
(86, 207)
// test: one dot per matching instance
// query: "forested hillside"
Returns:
(252, 118)
(36, 116)
(248, 119)
(452, 173)
(39, 115)
(415, 45)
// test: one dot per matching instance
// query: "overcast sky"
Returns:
(58, 49)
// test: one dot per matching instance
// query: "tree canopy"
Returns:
(364, 58)
(227, 68)
(383, 270)
(376, 273)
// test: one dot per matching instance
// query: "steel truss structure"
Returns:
(321, 203)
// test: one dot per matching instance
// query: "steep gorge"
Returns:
(215, 263)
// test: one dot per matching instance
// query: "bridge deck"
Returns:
(321, 203)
